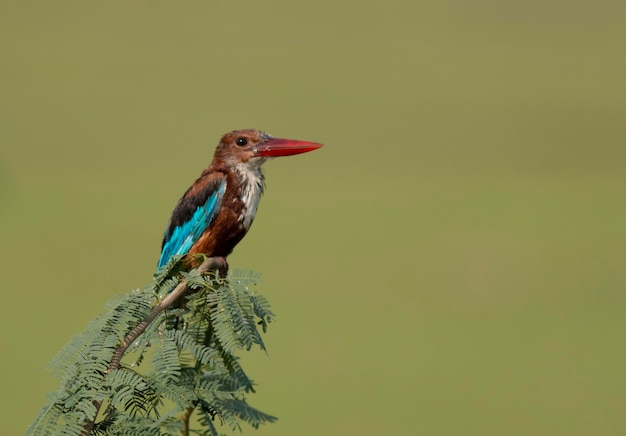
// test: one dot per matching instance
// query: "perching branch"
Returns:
(209, 263)
(171, 298)
(193, 366)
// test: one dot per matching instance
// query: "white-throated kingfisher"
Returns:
(217, 210)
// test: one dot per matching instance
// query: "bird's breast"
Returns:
(249, 194)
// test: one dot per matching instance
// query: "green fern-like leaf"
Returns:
(235, 411)
(165, 360)
(184, 360)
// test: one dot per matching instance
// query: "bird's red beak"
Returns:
(276, 147)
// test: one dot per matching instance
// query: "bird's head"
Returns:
(252, 147)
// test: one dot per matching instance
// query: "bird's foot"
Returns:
(219, 264)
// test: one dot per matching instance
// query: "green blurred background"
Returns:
(451, 263)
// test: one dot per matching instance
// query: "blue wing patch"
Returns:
(183, 236)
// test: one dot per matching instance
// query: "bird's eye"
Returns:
(241, 141)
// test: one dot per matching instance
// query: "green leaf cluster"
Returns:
(182, 372)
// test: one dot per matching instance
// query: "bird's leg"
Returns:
(222, 267)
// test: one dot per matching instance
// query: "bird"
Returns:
(216, 212)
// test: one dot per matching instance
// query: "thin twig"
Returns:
(185, 420)
(171, 298)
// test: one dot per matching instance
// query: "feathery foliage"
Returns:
(179, 371)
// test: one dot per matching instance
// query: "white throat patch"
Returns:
(252, 189)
